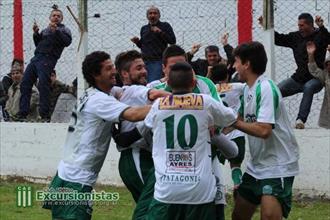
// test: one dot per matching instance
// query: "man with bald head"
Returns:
(154, 38)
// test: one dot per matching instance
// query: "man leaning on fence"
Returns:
(50, 43)
(155, 37)
(302, 80)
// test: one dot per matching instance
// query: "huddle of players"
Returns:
(170, 161)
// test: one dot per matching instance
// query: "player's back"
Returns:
(181, 149)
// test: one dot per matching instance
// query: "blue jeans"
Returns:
(290, 87)
(154, 69)
(40, 67)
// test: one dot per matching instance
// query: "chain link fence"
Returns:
(38, 11)
(112, 23)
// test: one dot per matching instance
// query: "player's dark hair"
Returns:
(172, 51)
(180, 76)
(92, 65)
(255, 53)
(307, 17)
(124, 60)
(219, 72)
(211, 48)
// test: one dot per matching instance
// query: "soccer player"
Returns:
(273, 147)
(172, 55)
(185, 185)
(230, 94)
(134, 162)
(88, 138)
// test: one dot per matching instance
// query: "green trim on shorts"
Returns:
(252, 190)
(164, 211)
(68, 211)
(129, 174)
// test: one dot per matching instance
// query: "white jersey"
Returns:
(134, 95)
(230, 94)
(154, 83)
(181, 146)
(89, 136)
(277, 156)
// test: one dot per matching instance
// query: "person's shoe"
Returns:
(300, 124)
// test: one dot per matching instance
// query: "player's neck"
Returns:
(252, 77)
(181, 91)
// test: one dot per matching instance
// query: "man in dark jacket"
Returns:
(302, 80)
(49, 47)
(155, 37)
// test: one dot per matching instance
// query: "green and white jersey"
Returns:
(230, 94)
(89, 136)
(134, 95)
(181, 146)
(277, 156)
(203, 85)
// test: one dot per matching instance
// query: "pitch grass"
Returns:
(123, 209)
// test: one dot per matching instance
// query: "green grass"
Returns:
(123, 209)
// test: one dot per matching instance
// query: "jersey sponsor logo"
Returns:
(251, 118)
(180, 161)
(179, 179)
(189, 101)
(224, 87)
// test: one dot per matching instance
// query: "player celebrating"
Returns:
(185, 184)
(134, 162)
(230, 94)
(88, 138)
(274, 150)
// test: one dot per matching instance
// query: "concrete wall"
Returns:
(34, 150)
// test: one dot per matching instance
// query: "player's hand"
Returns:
(35, 27)
(310, 47)
(224, 39)
(135, 39)
(261, 20)
(195, 48)
(155, 29)
(319, 21)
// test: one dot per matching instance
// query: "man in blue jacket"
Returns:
(49, 43)
(155, 37)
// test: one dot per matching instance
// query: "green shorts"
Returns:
(165, 211)
(146, 197)
(73, 210)
(252, 190)
(240, 142)
(128, 171)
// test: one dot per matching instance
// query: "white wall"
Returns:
(34, 150)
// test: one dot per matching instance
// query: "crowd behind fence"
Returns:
(111, 25)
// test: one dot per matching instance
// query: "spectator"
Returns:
(3, 99)
(212, 57)
(56, 88)
(14, 95)
(155, 37)
(302, 80)
(324, 77)
(7, 80)
(49, 47)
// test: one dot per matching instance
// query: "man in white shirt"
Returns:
(185, 185)
(274, 150)
(89, 135)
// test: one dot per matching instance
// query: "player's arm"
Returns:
(134, 114)
(257, 129)
(153, 94)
